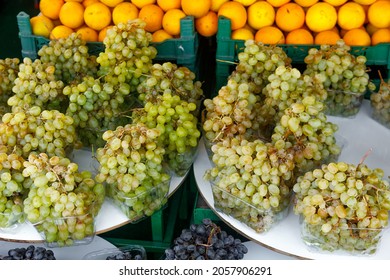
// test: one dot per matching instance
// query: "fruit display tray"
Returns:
(362, 134)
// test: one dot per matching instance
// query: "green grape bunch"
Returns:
(256, 62)
(70, 58)
(171, 78)
(62, 201)
(251, 181)
(131, 164)
(344, 75)
(343, 206)
(178, 128)
(38, 130)
(36, 85)
(128, 55)
(13, 187)
(9, 69)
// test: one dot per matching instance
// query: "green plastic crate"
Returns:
(182, 51)
(202, 211)
(228, 50)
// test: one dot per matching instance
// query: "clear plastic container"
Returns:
(180, 163)
(343, 103)
(67, 231)
(130, 252)
(9, 221)
(256, 217)
(382, 115)
(354, 241)
(141, 202)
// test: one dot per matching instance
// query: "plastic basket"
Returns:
(183, 50)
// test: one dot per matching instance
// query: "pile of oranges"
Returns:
(358, 22)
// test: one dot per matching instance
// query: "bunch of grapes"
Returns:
(303, 131)
(251, 181)
(178, 127)
(343, 75)
(13, 187)
(70, 58)
(37, 85)
(256, 62)
(131, 164)
(127, 56)
(37, 130)
(285, 86)
(9, 69)
(95, 107)
(206, 241)
(62, 202)
(343, 206)
(29, 253)
(380, 103)
(170, 78)
(232, 113)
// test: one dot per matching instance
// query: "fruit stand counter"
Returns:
(362, 133)
(109, 218)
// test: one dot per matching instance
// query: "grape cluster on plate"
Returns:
(206, 241)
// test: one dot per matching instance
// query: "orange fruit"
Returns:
(277, 3)
(357, 37)
(141, 3)
(86, 3)
(380, 36)
(351, 15)
(103, 32)
(97, 16)
(208, 24)
(261, 14)
(242, 34)
(111, 3)
(160, 36)
(51, 8)
(41, 25)
(321, 16)
(379, 14)
(270, 35)
(327, 37)
(169, 4)
(124, 12)
(306, 3)
(73, 1)
(171, 21)
(72, 14)
(234, 11)
(299, 36)
(364, 2)
(246, 2)
(60, 31)
(197, 8)
(335, 3)
(290, 16)
(88, 34)
(216, 4)
(152, 15)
